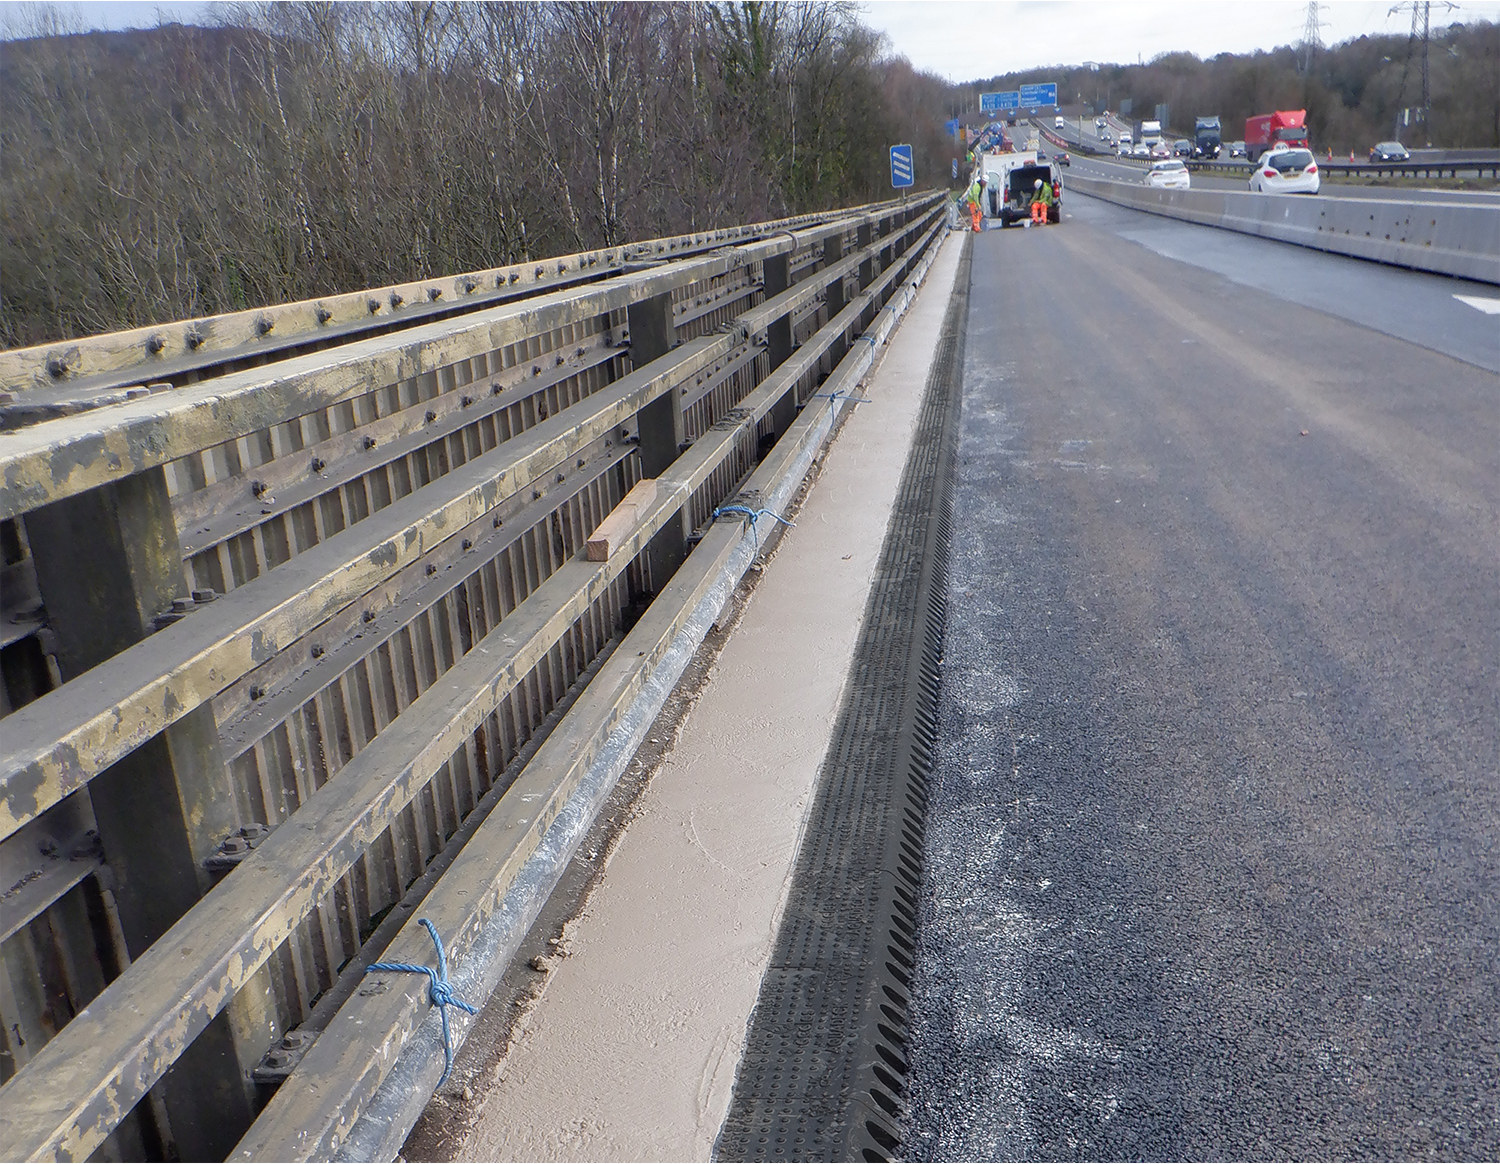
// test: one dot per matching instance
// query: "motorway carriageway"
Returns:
(1409, 191)
(1125, 172)
(1212, 866)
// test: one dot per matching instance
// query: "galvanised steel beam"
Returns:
(101, 1104)
(159, 351)
(57, 743)
(312, 1116)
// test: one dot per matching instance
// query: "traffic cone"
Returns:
(1351, 153)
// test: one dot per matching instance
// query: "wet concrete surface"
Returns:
(1212, 858)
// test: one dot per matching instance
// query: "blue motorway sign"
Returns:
(952, 127)
(996, 102)
(901, 167)
(1035, 95)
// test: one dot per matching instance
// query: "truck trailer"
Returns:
(1284, 127)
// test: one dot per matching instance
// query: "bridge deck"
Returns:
(1210, 860)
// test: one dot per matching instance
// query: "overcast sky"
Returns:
(967, 40)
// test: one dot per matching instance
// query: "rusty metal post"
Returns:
(833, 295)
(887, 252)
(659, 425)
(108, 563)
(862, 239)
(778, 272)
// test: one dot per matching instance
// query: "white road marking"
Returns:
(1480, 303)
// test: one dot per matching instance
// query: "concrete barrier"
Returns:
(1446, 239)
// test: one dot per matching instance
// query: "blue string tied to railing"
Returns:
(439, 991)
(752, 514)
(837, 392)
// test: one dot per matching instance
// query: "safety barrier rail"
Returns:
(1477, 165)
(1442, 237)
(309, 642)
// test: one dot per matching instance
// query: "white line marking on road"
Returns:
(1480, 303)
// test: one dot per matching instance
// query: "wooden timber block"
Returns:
(622, 520)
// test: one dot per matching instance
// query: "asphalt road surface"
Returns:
(1213, 858)
(1412, 192)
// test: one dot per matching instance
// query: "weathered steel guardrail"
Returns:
(298, 631)
(1453, 164)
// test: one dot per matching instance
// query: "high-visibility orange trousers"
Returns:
(975, 216)
(1039, 213)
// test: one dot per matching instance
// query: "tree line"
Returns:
(1354, 92)
(307, 148)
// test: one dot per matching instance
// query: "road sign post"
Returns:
(902, 172)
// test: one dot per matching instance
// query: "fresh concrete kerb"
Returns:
(631, 1052)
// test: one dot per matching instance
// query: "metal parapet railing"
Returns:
(300, 641)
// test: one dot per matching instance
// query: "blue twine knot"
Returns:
(752, 514)
(439, 991)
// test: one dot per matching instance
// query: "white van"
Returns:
(1057, 122)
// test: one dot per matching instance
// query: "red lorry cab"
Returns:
(1269, 129)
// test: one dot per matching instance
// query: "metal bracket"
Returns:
(282, 1059)
(236, 847)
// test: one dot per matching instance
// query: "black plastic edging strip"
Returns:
(824, 1068)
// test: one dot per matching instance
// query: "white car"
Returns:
(1170, 174)
(1140, 150)
(1286, 171)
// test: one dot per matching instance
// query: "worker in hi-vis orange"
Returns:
(975, 197)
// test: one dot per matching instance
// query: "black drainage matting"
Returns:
(824, 1070)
